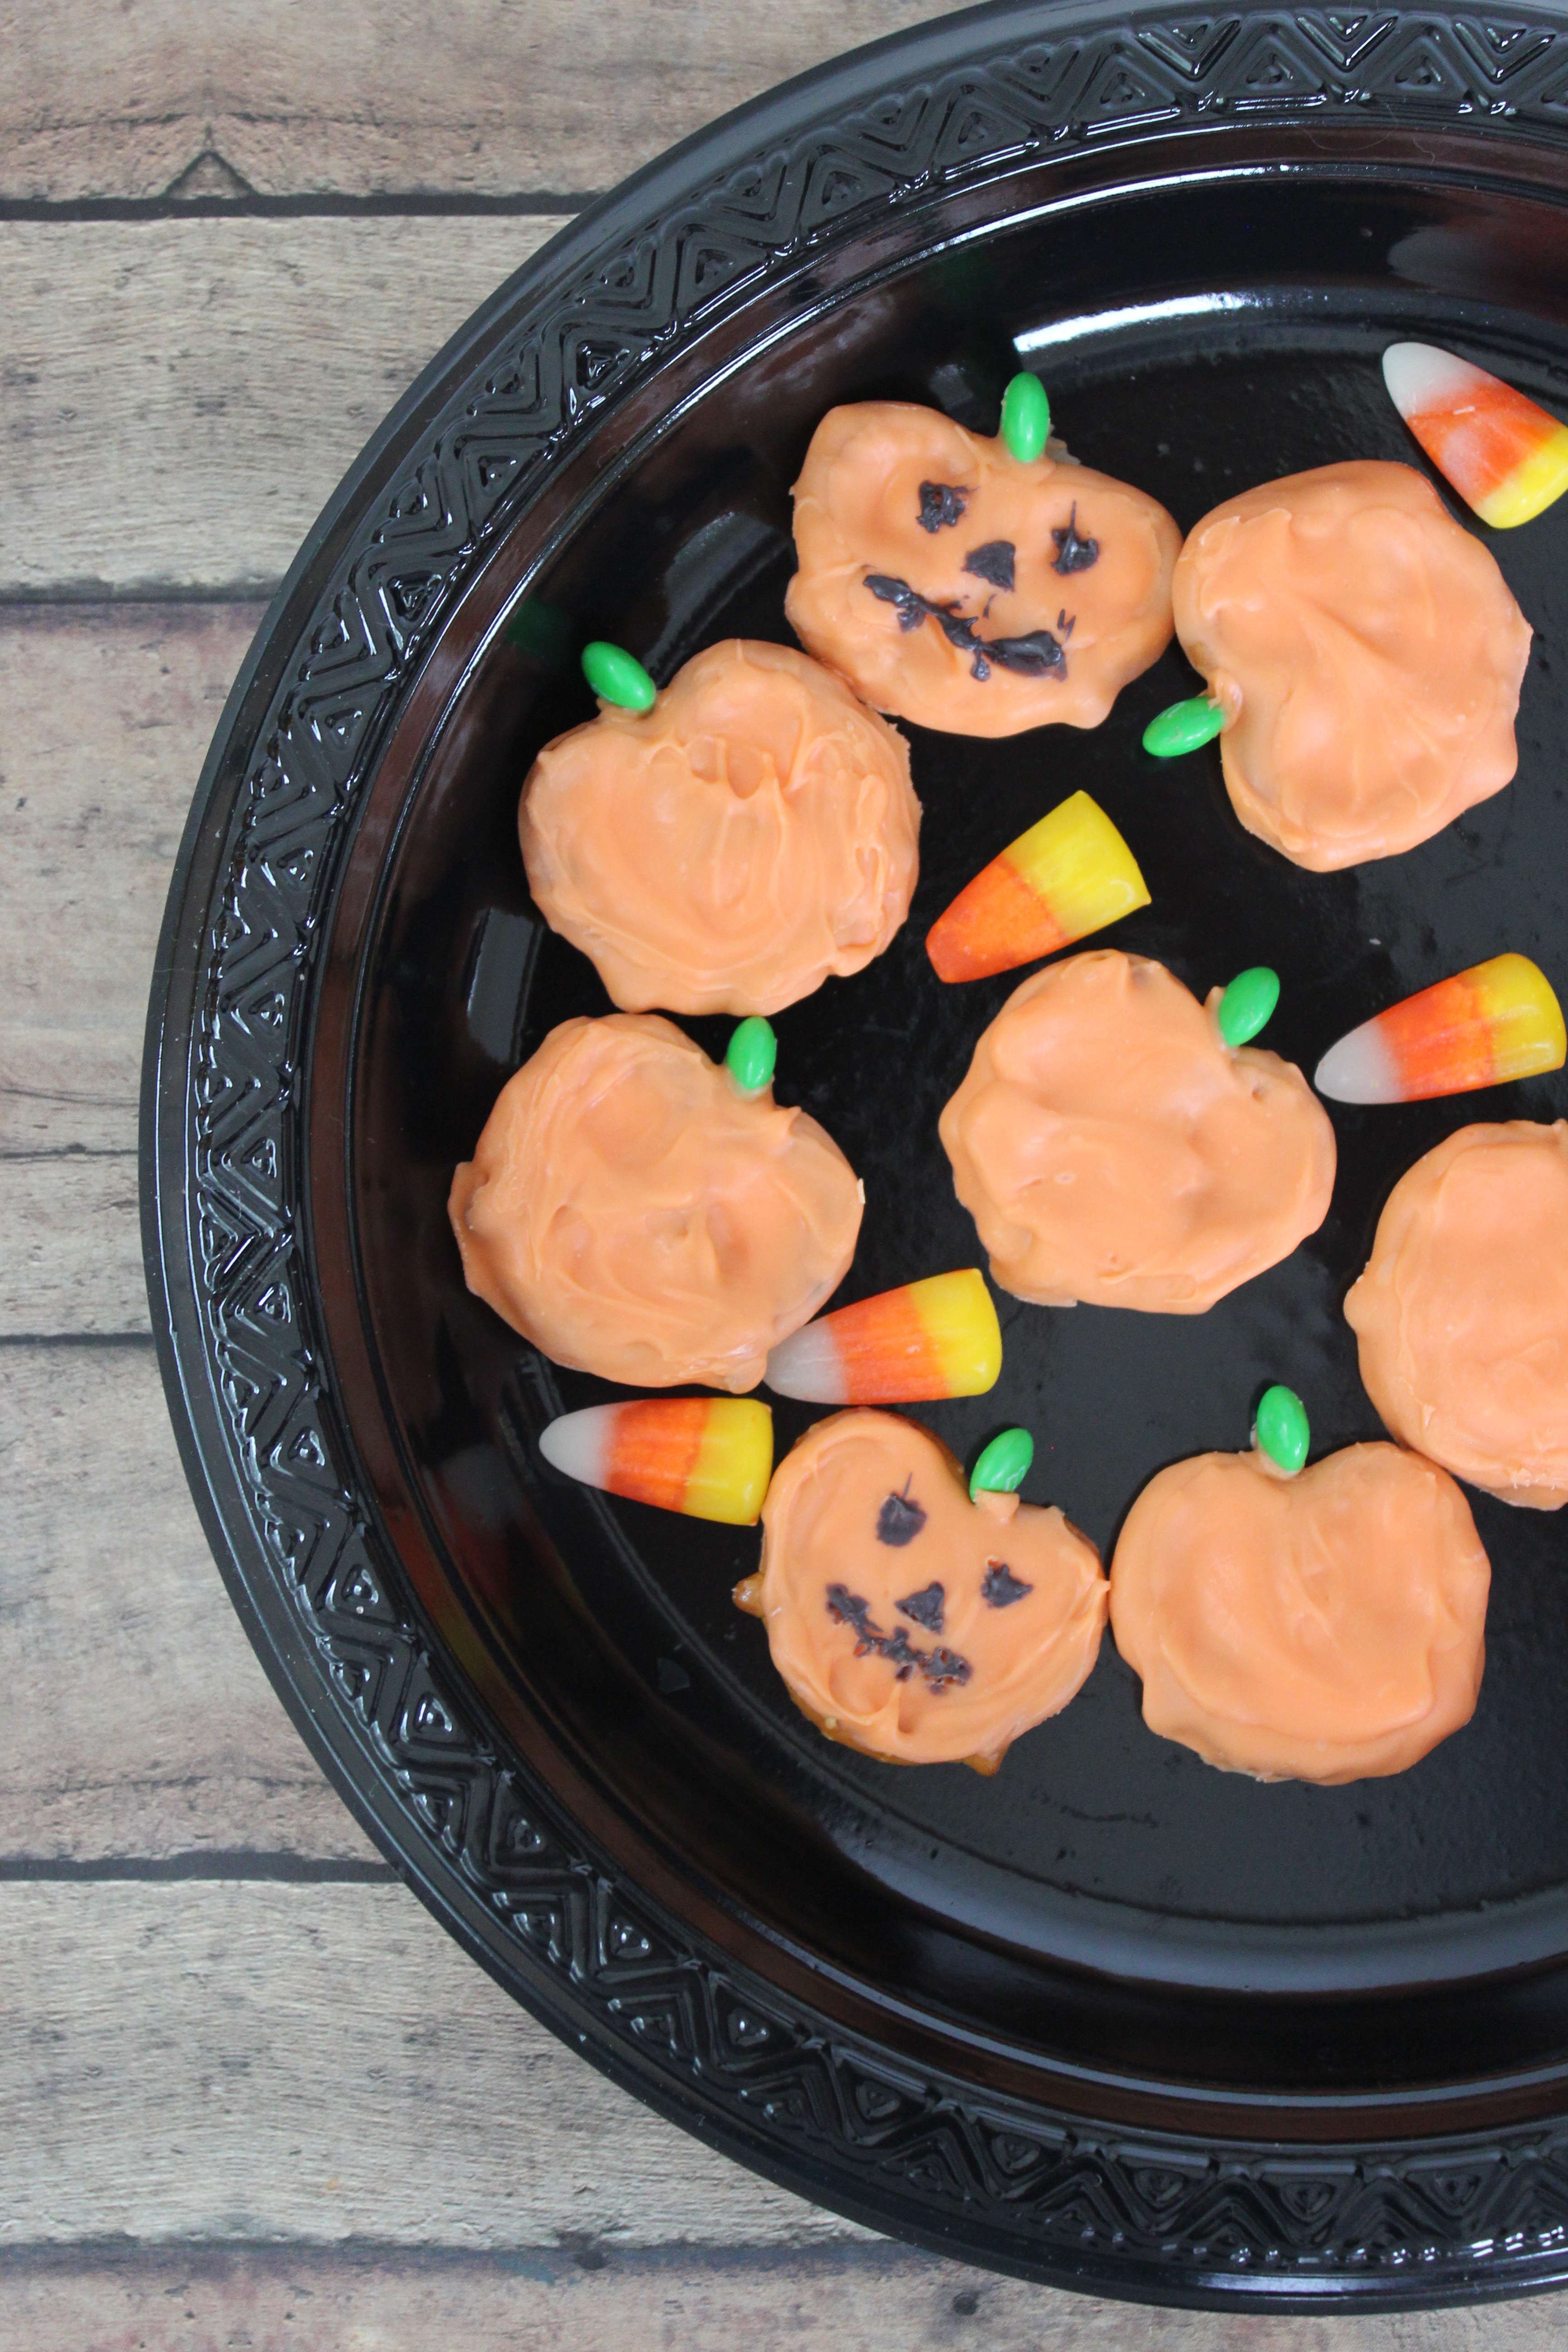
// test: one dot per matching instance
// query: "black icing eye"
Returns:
(941, 506)
(993, 562)
(899, 1520)
(1073, 553)
(923, 1607)
(1000, 1588)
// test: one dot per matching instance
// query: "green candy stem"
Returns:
(752, 1051)
(617, 676)
(1004, 1465)
(1248, 1004)
(1025, 418)
(1281, 1430)
(1185, 726)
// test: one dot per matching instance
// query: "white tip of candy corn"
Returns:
(1419, 376)
(1359, 1069)
(808, 1365)
(579, 1443)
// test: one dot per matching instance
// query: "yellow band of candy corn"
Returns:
(1076, 862)
(1530, 487)
(734, 1461)
(1523, 1018)
(959, 1318)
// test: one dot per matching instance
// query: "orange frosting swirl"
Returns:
(1112, 1148)
(725, 852)
(1367, 654)
(1327, 1627)
(907, 1621)
(1461, 1315)
(630, 1214)
(1088, 561)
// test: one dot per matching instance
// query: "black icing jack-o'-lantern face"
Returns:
(907, 1619)
(955, 584)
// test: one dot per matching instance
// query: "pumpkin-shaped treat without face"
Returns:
(1363, 656)
(966, 588)
(1322, 1626)
(1119, 1143)
(1461, 1314)
(906, 1618)
(750, 832)
(637, 1211)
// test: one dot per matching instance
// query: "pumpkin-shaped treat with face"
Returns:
(637, 1211)
(729, 844)
(969, 588)
(1363, 656)
(1120, 1143)
(907, 1620)
(1322, 1626)
(1461, 1315)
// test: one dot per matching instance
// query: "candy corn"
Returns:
(710, 1457)
(1506, 457)
(1498, 1021)
(1069, 875)
(939, 1338)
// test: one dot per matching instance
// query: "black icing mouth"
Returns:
(1039, 655)
(936, 1667)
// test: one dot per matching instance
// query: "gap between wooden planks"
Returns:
(593, 2298)
(487, 97)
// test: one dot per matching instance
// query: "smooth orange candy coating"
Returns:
(630, 1214)
(1112, 1148)
(907, 1621)
(754, 833)
(1461, 1314)
(1325, 1627)
(963, 588)
(1367, 654)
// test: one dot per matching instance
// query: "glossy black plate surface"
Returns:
(1112, 2018)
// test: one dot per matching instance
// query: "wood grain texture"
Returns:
(108, 713)
(259, 2061)
(181, 396)
(489, 96)
(851, 2298)
(139, 1721)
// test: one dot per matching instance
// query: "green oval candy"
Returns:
(1185, 726)
(1004, 1465)
(1025, 418)
(753, 1053)
(1281, 1429)
(617, 676)
(1248, 1004)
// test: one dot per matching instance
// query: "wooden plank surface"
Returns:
(108, 716)
(488, 97)
(195, 2063)
(322, 2064)
(255, 2062)
(181, 396)
(870, 2298)
(139, 1721)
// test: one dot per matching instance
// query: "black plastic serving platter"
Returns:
(1112, 2019)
